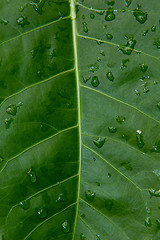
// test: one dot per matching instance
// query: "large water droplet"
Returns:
(110, 14)
(109, 204)
(148, 222)
(32, 174)
(99, 142)
(154, 193)
(128, 47)
(22, 21)
(25, 204)
(140, 16)
(143, 67)
(8, 122)
(112, 129)
(42, 213)
(95, 81)
(85, 28)
(110, 76)
(66, 226)
(139, 138)
(90, 195)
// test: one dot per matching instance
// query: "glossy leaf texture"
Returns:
(80, 120)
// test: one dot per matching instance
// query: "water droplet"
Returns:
(139, 139)
(153, 28)
(42, 213)
(22, 21)
(143, 67)
(83, 16)
(157, 43)
(99, 142)
(102, 53)
(110, 2)
(32, 174)
(148, 222)
(110, 14)
(140, 16)
(95, 81)
(110, 76)
(109, 36)
(86, 79)
(109, 204)
(123, 64)
(12, 109)
(62, 198)
(38, 5)
(82, 237)
(90, 195)
(137, 92)
(3, 21)
(8, 122)
(25, 204)
(109, 175)
(148, 210)
(154, 193)
(156, 147)
(98, 237)
(128, 2)
(66, 226)
(157, 172)
(120, 119)
(145, 32)
(128, 47)
(93, 67)
(85, 28)
(112, 129)
(92, 16)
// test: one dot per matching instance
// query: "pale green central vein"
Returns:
(122, 102)
(33, 30)
(36, 144)
(117, 45)
(36, 84)
(106, 217)
(39, 225)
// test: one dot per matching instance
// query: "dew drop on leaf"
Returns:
(3, 21)
(120, 119)
(8, 122)
(157, 43)
(153, 28)
(109, 175)
(154, 193)
(93, 67)
(140, 16)
(110, 14)
(109, 204)
(99, 142)
(90, 195)
(25, 204)
(148, 222)
(148, 210)
(12, 109)
(109, 36)
(32, 174)
(112, 129)
(123, 64)
(85, 27)
(128, 47)
(61, 198)
(66, 226)
(95, 81)
(145, 32)
(157, 172)
(128, 2)
(42, 213)
(110, 76)
(86, 79)
(92, 16)
(143, 67)
(83, 16)
(139, 139)
(102, 53)
(156, 147)
(22, 21)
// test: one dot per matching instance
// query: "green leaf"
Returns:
(80, 120)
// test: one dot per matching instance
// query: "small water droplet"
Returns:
(109, 204)
(137, 92)
(25, 204)
(86, 79)
(153, 28)
(148, 210)
(139, 139)
(156, 147)
(3, 21)
(90, 195)
(143, 67)
(85, 28)
(42, 213)
(110, 2)
(123, 64)
(8, 122)
(157, 43)
(157, 172)
(102, 53)
(66, 226)
(22, 21)
(128, 2)
(145, 32)
(99, 142)
(154, 193)
(148, 222)
(109, 36)
(92, 16)
(93, 67)
(83, 16)
(82, 237)
(32, 174)
(140, 16)
(109, 175)
(62, 198)
(95, 81)
(120, 119)
(110, 76)
(38, 5)
(112, 129)
(128, 47)
(110, 14)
